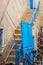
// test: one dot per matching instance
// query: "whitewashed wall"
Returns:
(35, 3)
(11, 13)
(41, 7)
(3, 6)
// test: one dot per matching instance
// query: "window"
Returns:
(1, 37)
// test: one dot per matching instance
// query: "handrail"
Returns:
(19, 52)
(32, 20)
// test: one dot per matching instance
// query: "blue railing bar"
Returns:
(31, 22)
(35, 14)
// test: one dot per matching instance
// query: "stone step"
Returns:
(17, 36)
(11, 62)
(30, 11)
(12, 56)
(15, 47)
(18, 40)
(11, 59)
(18, 31)
(19, 26)
(13, 52)
(27, 18)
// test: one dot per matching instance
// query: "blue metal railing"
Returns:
(19, 53)
(34, 16)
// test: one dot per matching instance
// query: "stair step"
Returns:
(17, 37)
(18, 31)
(19, 26)
(17, 34)
(13, 52)
(27, 16)
(1, 59)
(18, 40)
(15, 47)
(8, 62)
(11, 58)
(41, 55)
(26, 19)
(29, 11)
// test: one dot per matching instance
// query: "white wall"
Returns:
(41, 7)
(35, 3)
(3, 6)
(12, 16)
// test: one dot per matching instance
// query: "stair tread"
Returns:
(18, 31)
(29, 11)
(13, 52)
(27, 19)
(27, 15)
(11, 58)
(17, 39)
(17, 34)
(15, 47)
(13, 62)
